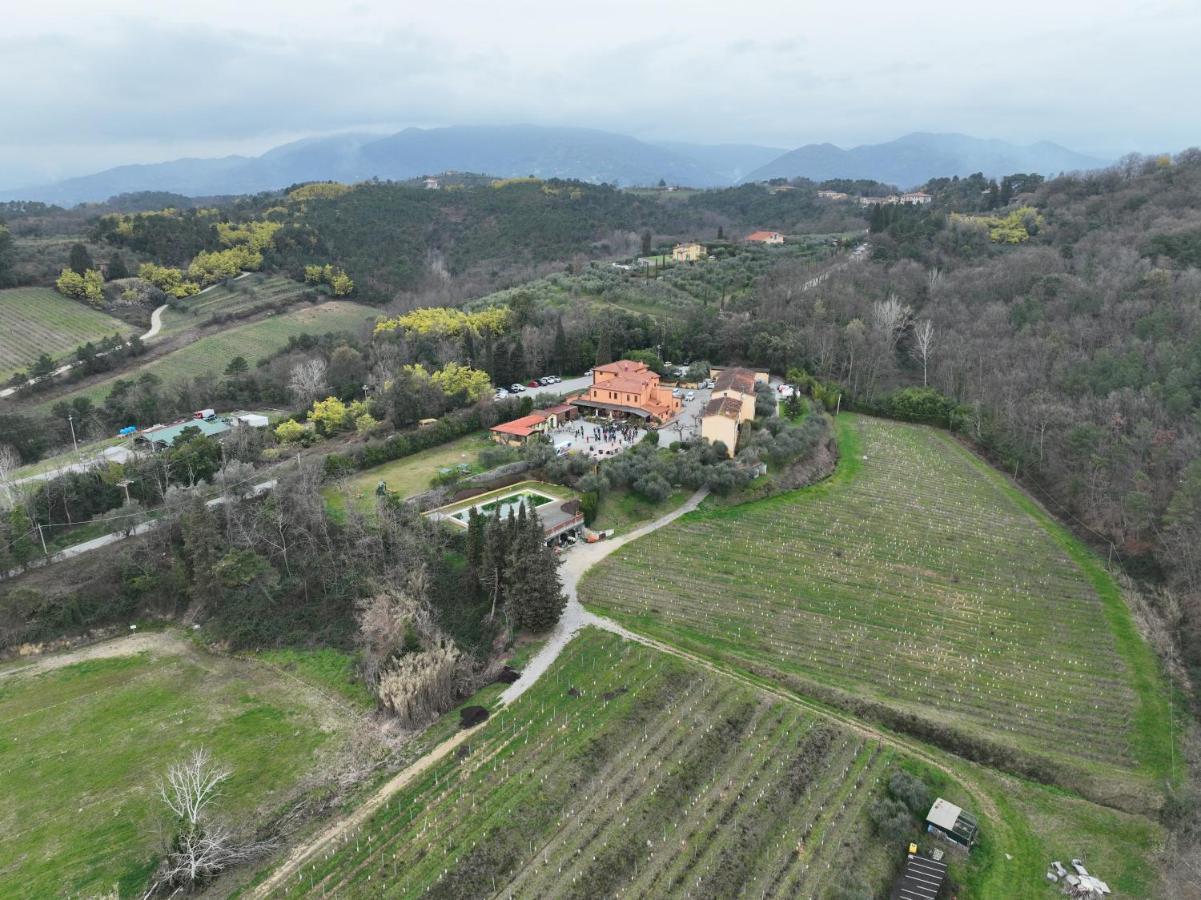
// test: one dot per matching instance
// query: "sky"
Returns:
(88, 85)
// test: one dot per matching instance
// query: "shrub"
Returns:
(910, 790)
(289, 432)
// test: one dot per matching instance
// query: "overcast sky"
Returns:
(89, 85)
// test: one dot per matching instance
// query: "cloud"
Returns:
(780, 72)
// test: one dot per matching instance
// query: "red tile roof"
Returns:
(523, 427)
(724, 406)
(621, 367)
(761, 235)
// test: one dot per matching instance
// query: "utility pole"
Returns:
(125, 483)
(45, 552)
(71, 422)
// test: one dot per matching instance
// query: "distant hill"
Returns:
(503, 151)
(729, 161)
(916, 158)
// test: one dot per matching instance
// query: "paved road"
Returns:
(106, 540)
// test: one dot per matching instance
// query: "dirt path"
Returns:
(155, 641)
(575, 617)
(360, 815)
(156, 323)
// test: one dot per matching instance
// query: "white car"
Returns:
(677, 393)
(516, 388)
(690, 395)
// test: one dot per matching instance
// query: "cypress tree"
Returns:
(604, 350)
(80, 260)
(535, 590)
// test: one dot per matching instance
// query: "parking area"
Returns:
(687, 425)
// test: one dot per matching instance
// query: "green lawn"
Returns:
(252, 291)
(408, 476)
(37, 320)
(210, 355)
(918, 588)
(623, 510)
(82, 748)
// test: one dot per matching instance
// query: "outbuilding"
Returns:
(948, 821)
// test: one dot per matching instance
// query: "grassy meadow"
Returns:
(84, 745)
(210, 355)
(37, 320)
(919, 588)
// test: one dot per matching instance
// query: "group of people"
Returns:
(596, 436)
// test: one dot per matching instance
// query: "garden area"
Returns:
(916, 587)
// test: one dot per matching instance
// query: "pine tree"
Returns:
(80, 260)
(535, 591)
(20, 547)
(116, 267)
(646, 242)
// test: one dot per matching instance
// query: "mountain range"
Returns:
(583, 153)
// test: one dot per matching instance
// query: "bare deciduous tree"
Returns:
(306, 381)
(199, 848)
(10, 461)
(923, 344)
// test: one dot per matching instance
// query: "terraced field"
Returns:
(625, 771)
(246, 293)
(210, 355)
(37, 320)
(920, 589)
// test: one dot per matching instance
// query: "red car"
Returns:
(532, 383)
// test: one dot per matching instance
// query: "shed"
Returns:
(949, 821)
(160, 437)
(254, 420)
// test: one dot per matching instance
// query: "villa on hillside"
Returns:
(832, 195)
(765, 237)
(731, 403)
(916, 198)
(690, 252)
(626, 389)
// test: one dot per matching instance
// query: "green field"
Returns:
(83, 747)
(37, 320)
(408, 476)
(658, 779)
(920, 589)
(243, 294)
(623, 509)
(210, 355)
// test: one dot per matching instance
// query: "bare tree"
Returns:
(923, 344)
(199, 849)
(890, 318)
(306, 381)
(10, 461)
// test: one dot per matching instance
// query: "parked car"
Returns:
(532, 383)
(516, 388)
(554, 379)
(678, 392)
(544, 380)
(588, 374)
(689, 395)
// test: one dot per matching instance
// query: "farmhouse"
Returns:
(921, 879)
(946, 820)
(916, 198)
(690, 252)
(831, 195)
(537, 424)
(765, 237)
(626, 389)
(731, 403)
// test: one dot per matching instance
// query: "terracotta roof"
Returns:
(558, 409)
(523, 427)
(635, 384)
(621, 367)
(724, 406)
(761, 235)
(735, 379)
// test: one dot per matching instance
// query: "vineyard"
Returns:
(37, 320)
(918, 588)
(239, 298)
(210, 355)
(625, 772)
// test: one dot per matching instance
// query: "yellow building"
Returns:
(690, 252)
(731, 404)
